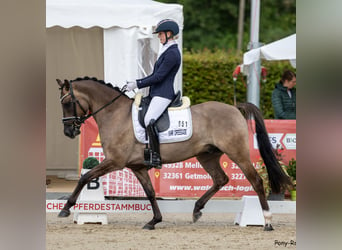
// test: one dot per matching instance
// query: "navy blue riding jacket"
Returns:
(164, 72)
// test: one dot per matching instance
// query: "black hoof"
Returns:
(196, 216)
(268, 227)
(149, 227)
(64, 213)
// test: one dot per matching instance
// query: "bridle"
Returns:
(76, 121)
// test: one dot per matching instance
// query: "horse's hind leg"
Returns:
(257, 184)
(211, 163)
(145, 181)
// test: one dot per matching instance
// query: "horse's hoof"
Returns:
(64, 213)
(268, 227)
(149, 227)
(196, 216)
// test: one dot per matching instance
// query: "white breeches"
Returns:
(157, 106)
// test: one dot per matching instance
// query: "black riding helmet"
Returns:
(167, 25)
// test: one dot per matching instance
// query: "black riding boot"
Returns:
(153, 139)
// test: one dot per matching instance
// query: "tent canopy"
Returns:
(110, 13)
(283, 49)
(108, 39)
(129, 47)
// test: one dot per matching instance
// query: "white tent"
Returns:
(130, 49)
(283, 49)
(108, 39)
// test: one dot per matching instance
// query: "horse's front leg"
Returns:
(103, 168)
(146, 183)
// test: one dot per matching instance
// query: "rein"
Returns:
(78, 120)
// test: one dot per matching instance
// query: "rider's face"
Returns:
(161, 36)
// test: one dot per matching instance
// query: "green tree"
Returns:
(214, 23)
(208, 23)
(277, 19)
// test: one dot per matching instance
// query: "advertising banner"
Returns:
(105, 206)
(188, 178)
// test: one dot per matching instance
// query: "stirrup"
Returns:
(156, 162)
(152, 159)
(151, 165)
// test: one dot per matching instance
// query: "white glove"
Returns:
(131, 85)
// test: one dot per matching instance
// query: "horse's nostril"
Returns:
(68, 131)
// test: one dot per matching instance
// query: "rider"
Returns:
(161, 83)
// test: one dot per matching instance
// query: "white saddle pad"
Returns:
(180, 124)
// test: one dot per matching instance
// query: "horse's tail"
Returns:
(279, 180)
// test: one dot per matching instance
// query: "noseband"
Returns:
(75, 120)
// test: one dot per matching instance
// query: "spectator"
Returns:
(284, 97)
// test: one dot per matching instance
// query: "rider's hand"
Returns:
(131, 85)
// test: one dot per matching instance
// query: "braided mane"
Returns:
(96, 80)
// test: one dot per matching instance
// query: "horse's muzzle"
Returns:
(71, 131)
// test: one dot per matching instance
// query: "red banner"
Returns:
(188, 178)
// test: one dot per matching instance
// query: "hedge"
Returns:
(207, 76)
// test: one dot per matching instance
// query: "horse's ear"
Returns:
(59, 82)
(66, 84)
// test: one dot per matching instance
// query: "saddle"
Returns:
(174, 126)
(163, 122)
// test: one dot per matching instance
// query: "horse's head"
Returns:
(74, 112)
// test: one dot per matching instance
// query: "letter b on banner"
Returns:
(94, 184)
(92, 192)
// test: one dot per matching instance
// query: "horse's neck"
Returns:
(115, 119)
(100, 96)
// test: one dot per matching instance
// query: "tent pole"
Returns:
(234, 93)
(253, 88)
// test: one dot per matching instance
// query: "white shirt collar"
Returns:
(166, 46)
